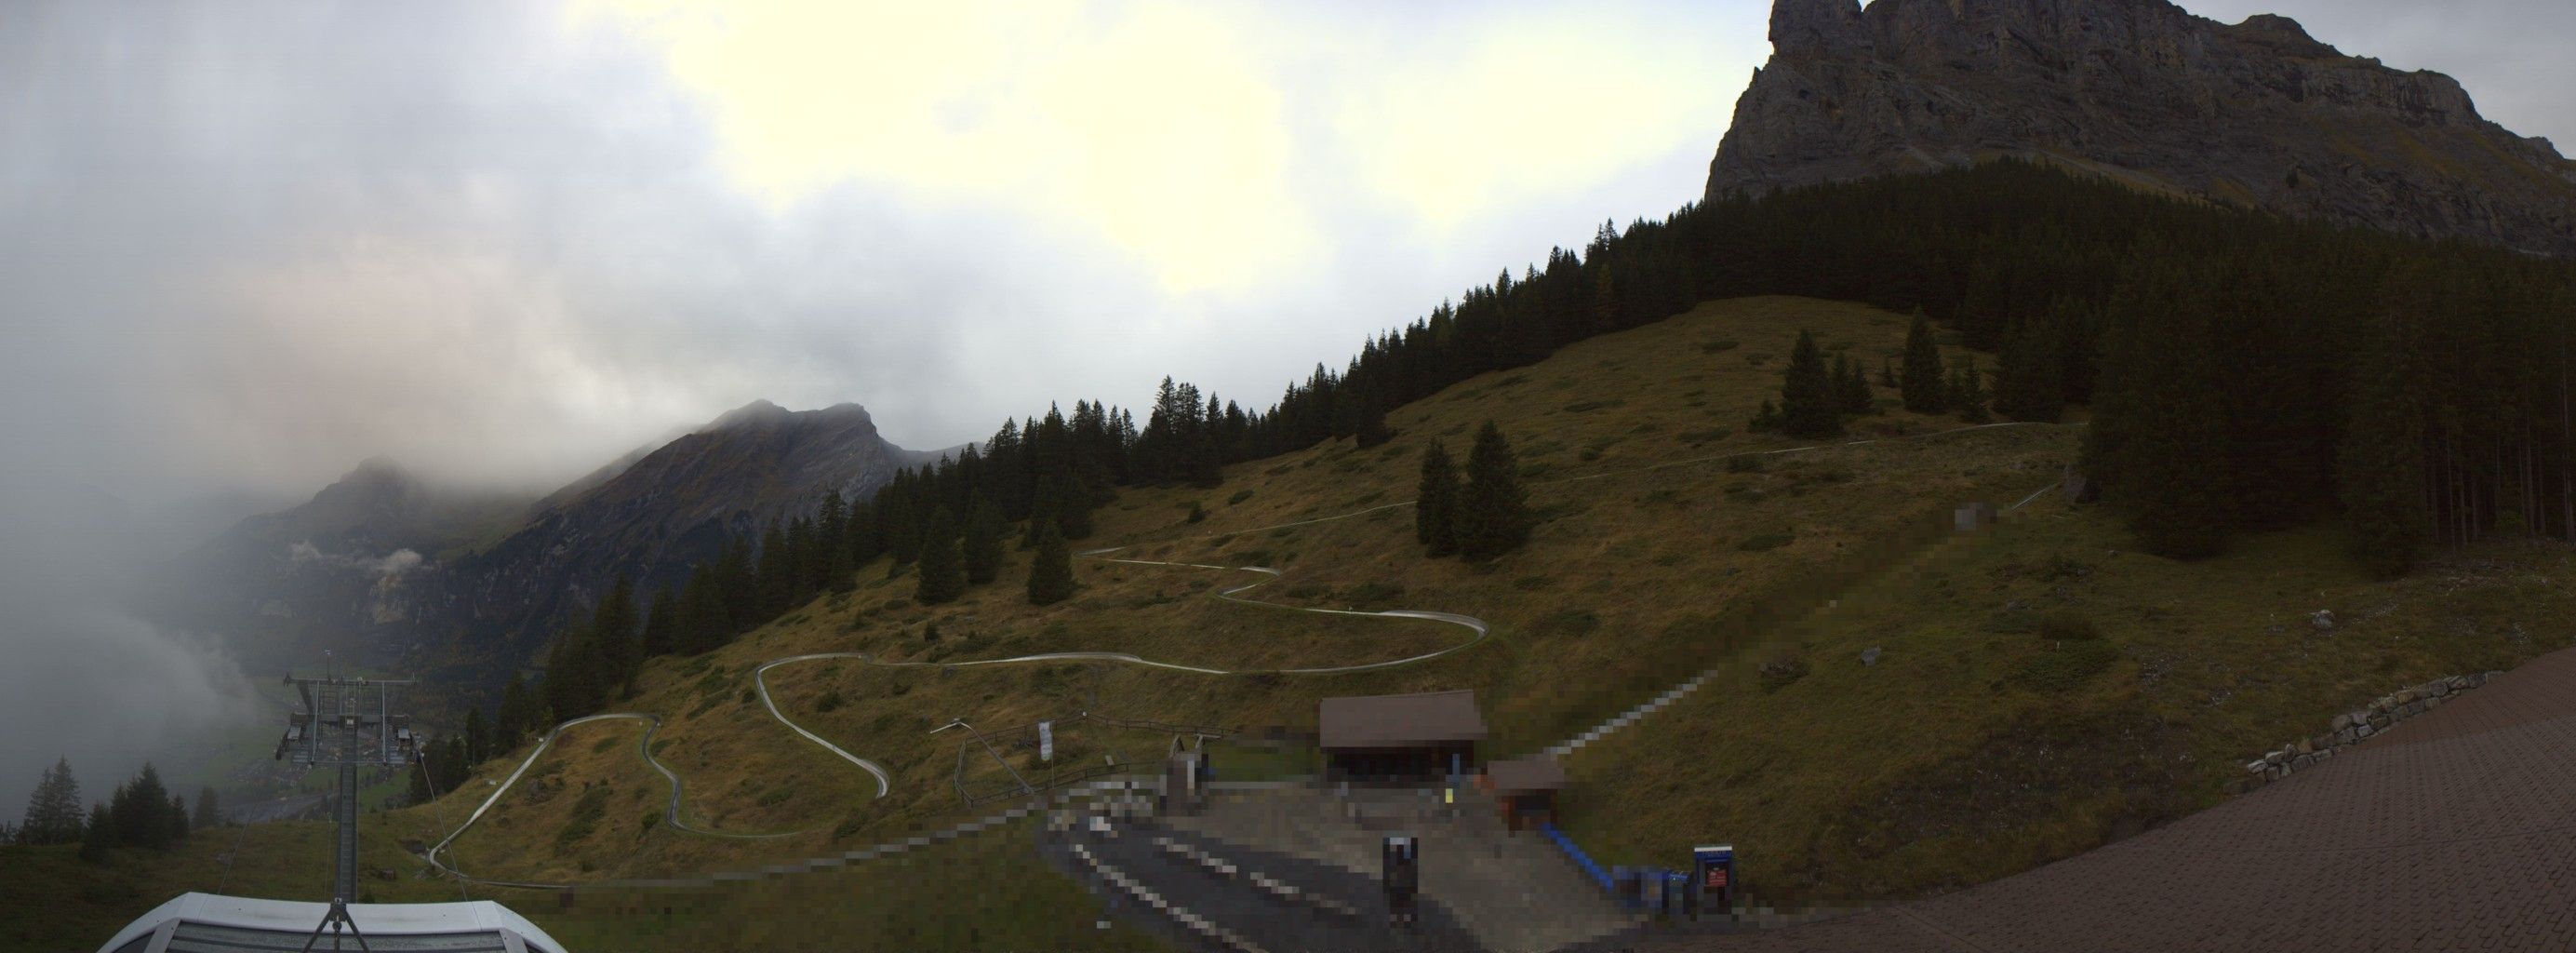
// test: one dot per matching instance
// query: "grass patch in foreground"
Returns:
(987, 892)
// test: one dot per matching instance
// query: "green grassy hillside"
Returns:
(1654, 557)
(2038, 692)
(1671, 541)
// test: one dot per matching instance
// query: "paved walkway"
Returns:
(2455, 830)
(1514, 892)
(1352, 920)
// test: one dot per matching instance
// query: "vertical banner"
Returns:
(1046, 741)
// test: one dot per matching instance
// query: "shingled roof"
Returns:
(1399, 721)
(1532, 775)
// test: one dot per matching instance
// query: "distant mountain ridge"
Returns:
(328, 572)
(382, 507)
(2256, 113)
(674, 506)
(381, 564)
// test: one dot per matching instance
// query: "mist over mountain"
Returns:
(84, 676)
(389, 568)
(676, 506)
(327, 573)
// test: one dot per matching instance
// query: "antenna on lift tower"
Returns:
(345, 722)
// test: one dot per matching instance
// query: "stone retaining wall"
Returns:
(2352, 727)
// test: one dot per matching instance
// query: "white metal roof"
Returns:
(246, 923)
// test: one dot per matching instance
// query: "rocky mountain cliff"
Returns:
(383, 568)
(2255, 113)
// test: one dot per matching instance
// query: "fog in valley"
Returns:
(244, 246)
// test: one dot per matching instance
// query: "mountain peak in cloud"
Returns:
(756, 412)
(762, 413)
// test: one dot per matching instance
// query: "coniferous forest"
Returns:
(2244, 372)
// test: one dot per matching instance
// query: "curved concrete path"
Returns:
(760, 683)
(884, 781)
(2453, 830)
(643, 746)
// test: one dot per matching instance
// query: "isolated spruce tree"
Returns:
(983, 546)
(833, 570)
(2029, 383)
(660, 635)
(1766, 420)
(1924, 386)
(1435, 510)
(567, 681)
(592, 678)
(54, 810)
(1968, 393)
(477, 740)
(1851, 386)
(1493, 518)
(516, 714)
(1887, 373)
(943, 565)
(804, 578)
(903, 532)
(1043, 496)
(1605, 293)
(1051, 573)
(98, 834)
(141, 811)
(621, 646)
(207, 814)
(450, 765)
(701, 625)
(866, 539)
(1808, 405)
(736, 582)
(1073, 507)
(777, 571)
(1372, 430)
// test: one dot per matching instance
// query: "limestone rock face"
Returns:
(2257, 113)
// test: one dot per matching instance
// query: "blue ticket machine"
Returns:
(1713, 878)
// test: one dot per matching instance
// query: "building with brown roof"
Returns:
(1399, 737)
(1524, 789)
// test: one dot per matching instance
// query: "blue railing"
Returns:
(1581, 859)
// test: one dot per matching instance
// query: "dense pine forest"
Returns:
(2244, 372)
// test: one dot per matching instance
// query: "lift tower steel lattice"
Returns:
(346, 722)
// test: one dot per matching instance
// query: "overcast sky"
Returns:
(251, 244)
(244, 245)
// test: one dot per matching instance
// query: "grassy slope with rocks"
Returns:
(2039, 692)
(1654, 558)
